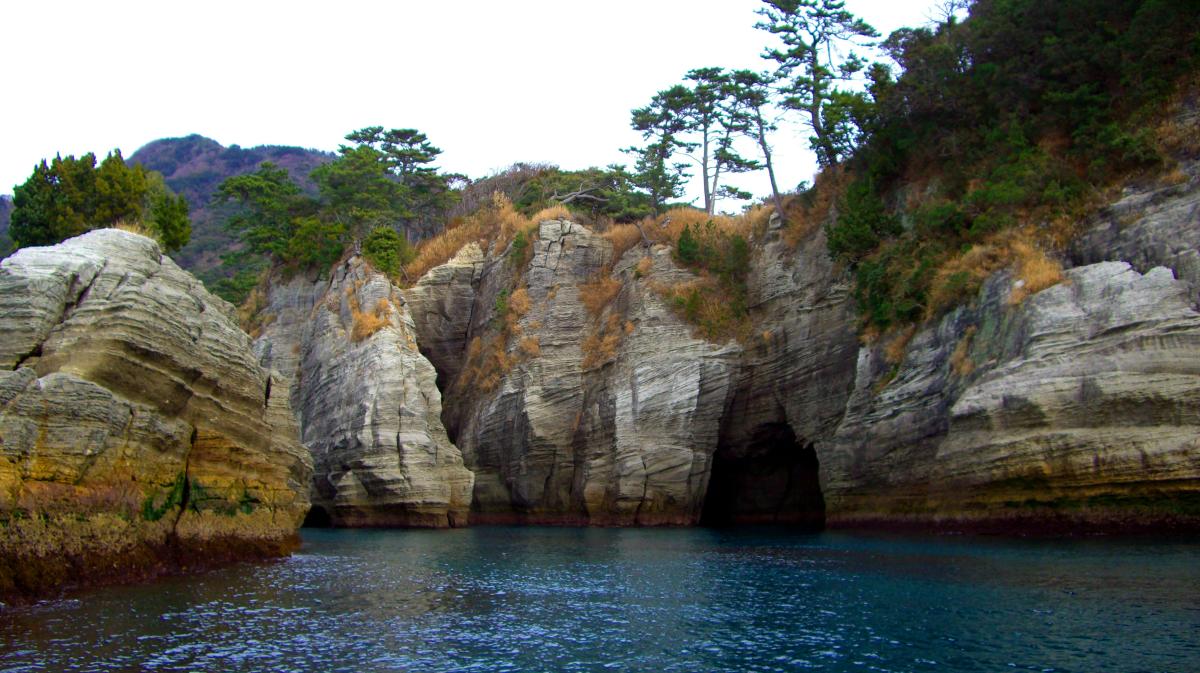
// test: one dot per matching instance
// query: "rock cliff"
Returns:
(575, 393)
(137, 431)
(366, 400)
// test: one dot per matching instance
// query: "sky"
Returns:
(491, 83)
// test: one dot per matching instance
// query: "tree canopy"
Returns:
(69, 196)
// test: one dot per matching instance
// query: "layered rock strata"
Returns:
(577, 396)
(1080, 405)
(366, 399)
(137, 430)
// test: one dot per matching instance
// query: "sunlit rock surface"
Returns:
(137, 430)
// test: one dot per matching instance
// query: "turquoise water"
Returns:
(558, 599)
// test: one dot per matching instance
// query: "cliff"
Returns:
(365, 398)
(137, 431)
(578, 393)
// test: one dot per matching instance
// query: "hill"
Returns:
(194, 166)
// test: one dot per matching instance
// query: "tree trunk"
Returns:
(766, 150)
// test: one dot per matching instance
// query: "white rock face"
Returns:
(1084, 396)
(367, 401)
(626, 439)
(129, 392)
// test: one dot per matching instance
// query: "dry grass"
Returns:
(643, 267)
(1178, 133)
(598, 293)
(703, 303)
(1035, 272)
(366, 324)
(555, 212)
(495, 224)
(623, 237)
(600, 347)
(960, 361)
(806, 215)
(960, 277)
(531, 347)
(137, 227)
(250, 310)
(488, 362)
(897, 347)
(1175, 177)
(666, 228)
(518, 303)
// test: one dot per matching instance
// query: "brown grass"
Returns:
(555, 212)
(598, 293)
(366, 324)
(1035, 272)
(1178, 133)
(248, 313)
(960, 361)
(703, 303)
(666, 228)
(495, 224)
(897, 347)
(806, 215)
(600, 347)
(644, 266)
(518, 303)
(623, 237)
(961, 276)
(531, 347)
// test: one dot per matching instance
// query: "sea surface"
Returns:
(562, 599)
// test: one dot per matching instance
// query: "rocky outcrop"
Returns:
(791, 387)
(1151, 225)
(579, 396)
(137, 431)
(366, 399)
(1082, 404)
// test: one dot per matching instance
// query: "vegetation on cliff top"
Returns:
(70, 196)
(974, 145)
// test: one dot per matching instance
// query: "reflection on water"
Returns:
(561, 599)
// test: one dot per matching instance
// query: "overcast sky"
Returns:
(490, 82)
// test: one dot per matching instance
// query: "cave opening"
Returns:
(318, 517)
(772, 479)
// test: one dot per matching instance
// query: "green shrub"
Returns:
(387, 250)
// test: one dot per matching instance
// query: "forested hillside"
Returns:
(194, 166)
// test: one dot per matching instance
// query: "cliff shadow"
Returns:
(771, 479)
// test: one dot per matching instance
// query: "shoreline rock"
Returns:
(135, 421)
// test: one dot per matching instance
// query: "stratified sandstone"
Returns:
(566, 414)
(366, 399)
(1081, 404)
(137, 431)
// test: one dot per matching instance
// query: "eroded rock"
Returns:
(135, 421)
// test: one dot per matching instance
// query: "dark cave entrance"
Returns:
(318, 517)
(773, 480)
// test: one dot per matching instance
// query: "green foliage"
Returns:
(862, 223)
(387, 250)
(718, 304)
(70, 196)
(380, 183)
(317, 243)
(501, 306)
(687, 248)
(173, 498)
(1021, 111)
(594, 192)
(812, 32)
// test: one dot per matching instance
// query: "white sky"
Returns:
(489, 82)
